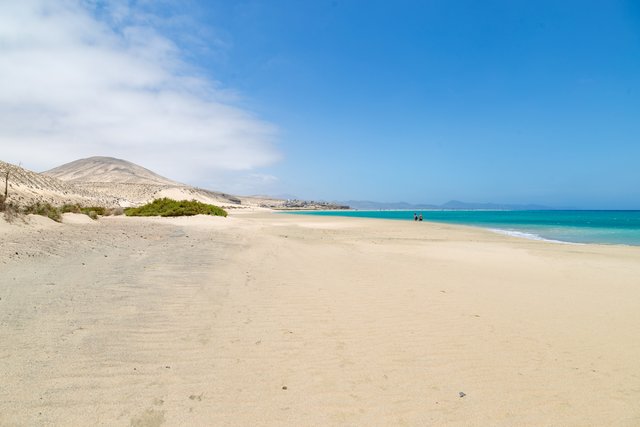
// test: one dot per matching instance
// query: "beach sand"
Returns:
(276, 319)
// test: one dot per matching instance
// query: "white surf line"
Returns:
(530, 236)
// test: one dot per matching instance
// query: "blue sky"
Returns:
(428, 101)
(425, 101)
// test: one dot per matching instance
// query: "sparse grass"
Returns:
(170, 207)
(4, 198)
(114, 211)
(70, 209)
(10, 211)
(55, 213)
(97, 210)
(94, 211)
(44, 209)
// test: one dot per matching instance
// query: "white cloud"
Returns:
(248, 184)
(73, 85)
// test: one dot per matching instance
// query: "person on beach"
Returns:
(415, 216)
(420, 217)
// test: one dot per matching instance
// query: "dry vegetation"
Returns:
(3, 197)
(12, 210)
(170, 207)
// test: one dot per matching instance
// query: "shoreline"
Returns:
(586, 233)
(533, 236)
(266, 319)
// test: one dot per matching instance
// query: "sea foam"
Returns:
(530, 236)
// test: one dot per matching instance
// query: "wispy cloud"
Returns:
(83, 78)
(249, 184)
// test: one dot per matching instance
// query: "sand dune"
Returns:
(265, 319)
(27, 187)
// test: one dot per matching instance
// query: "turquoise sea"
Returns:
(607, 227)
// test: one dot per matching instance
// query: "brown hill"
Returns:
(107, 169)
(135, 185)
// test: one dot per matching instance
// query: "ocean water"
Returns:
(604, 227)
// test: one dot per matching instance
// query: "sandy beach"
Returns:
(273, 319)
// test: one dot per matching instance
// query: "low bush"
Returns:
(97, 210)
(113, 211)
(93, 211)
(170, 207)
(55, 213)
(70, 209)
(44, 209)
(11, 212)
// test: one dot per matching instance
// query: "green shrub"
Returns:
(97, 210)
(70, 208)
(170, 207)
(91, 211)
(44, 209)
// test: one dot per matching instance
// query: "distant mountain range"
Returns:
(452, 204)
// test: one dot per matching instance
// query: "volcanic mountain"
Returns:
(131, 183)
(107, 169)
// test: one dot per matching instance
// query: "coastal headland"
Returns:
(273, 319)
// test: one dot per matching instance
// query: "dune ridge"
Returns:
(28, 187)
